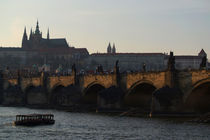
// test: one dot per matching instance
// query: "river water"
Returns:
(79, 126)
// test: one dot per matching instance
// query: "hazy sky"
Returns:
(182, 26)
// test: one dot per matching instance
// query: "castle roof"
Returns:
(82, 50)
(124, 54)
(187, 57)
(54, 43)
(58, 42)
(10, 49)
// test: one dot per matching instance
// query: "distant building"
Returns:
(135, 61)
(189, 61)
(127, 61)
(57, 46)
(36, 50)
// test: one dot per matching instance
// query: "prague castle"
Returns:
(56, 53)
(37, 51)
(36, 42)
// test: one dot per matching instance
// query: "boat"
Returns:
(34, 119)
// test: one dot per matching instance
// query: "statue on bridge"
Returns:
(73, 68)
(117, 67)
(117, 72)
(144, 67)
(171, 62)
(100, 69)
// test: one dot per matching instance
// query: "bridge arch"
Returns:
(198, 98)
(55, 95)
(35, 95)
(90, 93)
(140, 95)
(64, 95)
(28, 88)
(56, 86)
(200, 82)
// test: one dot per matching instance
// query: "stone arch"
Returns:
(198, 98)
(26, 89)
(64, 95)
(13, 95)
(35, 95)
(140, 95)
(200, 82)
(90, 93)
(54, 94)
(57, 85)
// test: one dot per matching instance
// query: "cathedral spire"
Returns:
(30, 37)
(25, 34)
(48, 34)
(24, 39)
(37, 28)
(25, 29)
(37, 24)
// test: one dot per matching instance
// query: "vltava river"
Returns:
(79, 126)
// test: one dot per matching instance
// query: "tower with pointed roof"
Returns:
(24, 39)
(202, 53)
(31, 35)
(37, 28)
(113, 49)
(109, 48)
(48, 34)
(37, 34)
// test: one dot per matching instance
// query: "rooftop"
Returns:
(117, 54)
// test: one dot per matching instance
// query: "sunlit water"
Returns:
(96, 127)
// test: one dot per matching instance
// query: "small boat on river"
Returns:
(34, 119)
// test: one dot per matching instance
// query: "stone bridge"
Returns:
(137, 87)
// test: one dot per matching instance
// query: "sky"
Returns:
(182, 26)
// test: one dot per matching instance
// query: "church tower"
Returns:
(109, 49)
(113, 49)
(37, 28)
(37, 34)
(37, 37)
(48, 34)
(25, 40)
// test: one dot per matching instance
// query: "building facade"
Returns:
(127, 61)
(184, 62)
(135, 61)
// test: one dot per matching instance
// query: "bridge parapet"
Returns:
(60, 80)
(8, 82)
(26, 82)
(105, 80)
(157, 79)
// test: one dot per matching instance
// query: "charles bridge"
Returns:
(137, 88)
